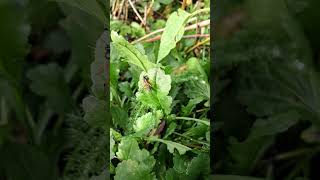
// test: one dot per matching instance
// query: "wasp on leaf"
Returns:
(146, 83)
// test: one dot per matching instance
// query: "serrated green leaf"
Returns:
(172, 145)
(199, 167)
(48, 81)
(119, 116)
(126, 89)
(195, 67)
(173, 32)
(131, 170)
(147, 122)
(155, 100)
(197, 88)
(129, 149)
(245, 154)
(156, 95)
(98, 66)
(103, 176)
(158, 79)
(95, 111)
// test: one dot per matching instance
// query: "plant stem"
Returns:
(191, 139)
(193, 26)
(42, 125)
(200, 11)
(137, 13)
(194, 119)
(295, 153)
(198, 44)
(4, 112)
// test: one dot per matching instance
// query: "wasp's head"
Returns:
(145, 77)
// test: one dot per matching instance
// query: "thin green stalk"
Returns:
(194, 119)
(200, 11)
(191, 139)
(4, 112)
(295, 153)
(42, 125)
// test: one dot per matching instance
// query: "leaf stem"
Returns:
(295, 153)
(194, 119)
(191, 139)
(200, 11)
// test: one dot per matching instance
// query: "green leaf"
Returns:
(28, 161)
(147, 122)
(114, 73)
(197, 88)
(155, 97)
(199, 167)
(131, 170)
(103, 176)
(112, 143)
(172, 145)
(140, 161)
(119, 116)
(273, 125)
(130, 52)
(125, 88)
(129, 149)
(281, 24)
(48, 81)
(245, 154)
(95, 111)
(195, 67)
(155, 100)
(173, 32)
(165, 1)
(158, 79)
(187, 110)
(14, 32)
(311, 135)
(98, 66)
(91, 7)
(84, 31)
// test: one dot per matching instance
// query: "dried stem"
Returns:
(137, 13)
(194, 26)
(199, 44)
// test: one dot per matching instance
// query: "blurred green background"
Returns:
(267, 89)
(46, 51)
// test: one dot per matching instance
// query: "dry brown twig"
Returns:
(136, 12)
(198, 44)
(193, 26)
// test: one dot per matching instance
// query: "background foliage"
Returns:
(267, 89)
(48, 51)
